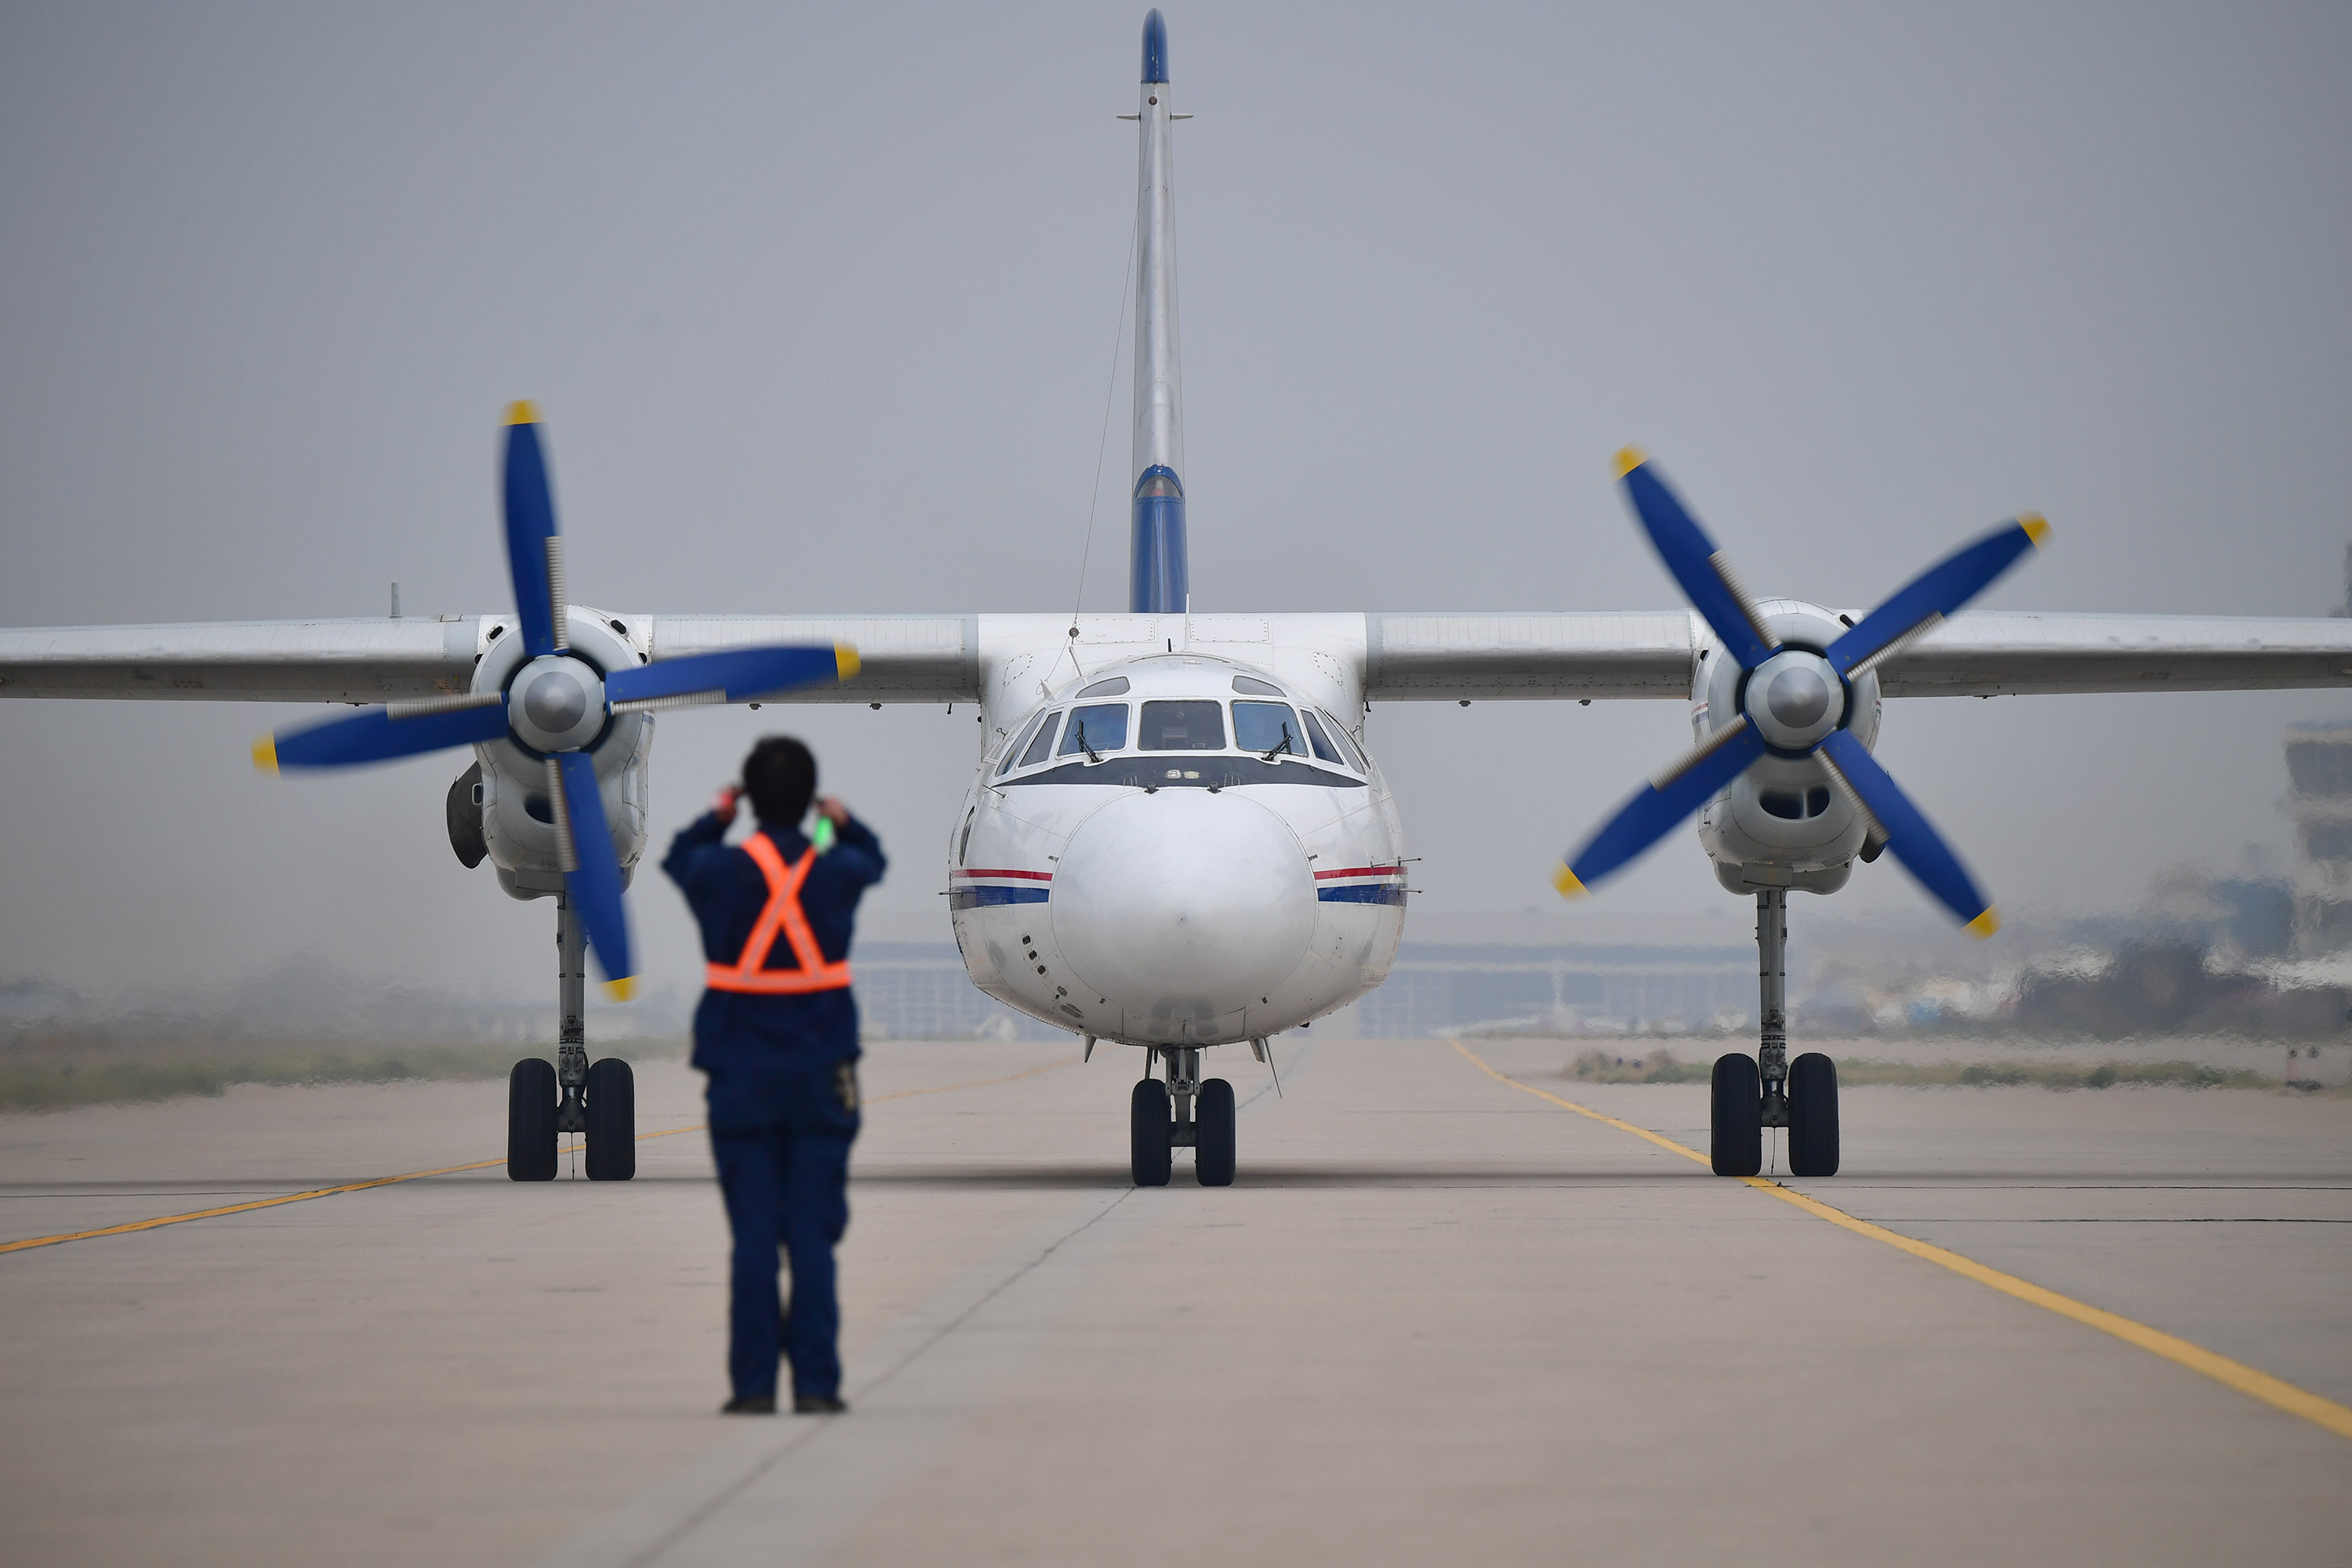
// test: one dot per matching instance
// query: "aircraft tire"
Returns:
(612, 1096)
(530, 1120)
(1812, 1116)
(1151, 1152)
(1212, 1147)
(1736, 1117)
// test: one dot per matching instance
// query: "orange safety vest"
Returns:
(783, 914)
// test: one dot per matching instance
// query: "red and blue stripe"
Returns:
(1362, 885)
(982, 889)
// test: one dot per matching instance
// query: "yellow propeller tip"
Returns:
(265, 754)
(1984, 925)
(845, 662)
(2035, 529)
(523, 412)
(1627, 460)
(621, 990)
(1565, 880)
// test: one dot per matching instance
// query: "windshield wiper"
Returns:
(1282, 746)
(1089, 750)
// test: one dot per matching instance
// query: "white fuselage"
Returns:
(1131, 864)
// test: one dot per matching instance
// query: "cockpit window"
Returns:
(1251, 686)
(1012, 751)
(1098, 728)
(1321, 742)
(1347, 744)
(1182, 727)
(1043, 746)
(1268, 727)
(1114, 686)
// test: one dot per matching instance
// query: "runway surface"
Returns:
(1439, 1318)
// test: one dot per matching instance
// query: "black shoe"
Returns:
(815, 1404)
(764, 1404)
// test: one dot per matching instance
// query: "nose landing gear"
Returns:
(1769, 1090)
(571, 1095)
(1161, 1121)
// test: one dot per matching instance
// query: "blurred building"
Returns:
(1444, 988)
(919, 990)
(2319, 782)
(2319, 777)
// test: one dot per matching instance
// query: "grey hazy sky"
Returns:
(819, 304)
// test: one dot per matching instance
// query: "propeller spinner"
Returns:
(1796, 702)
(557, 706)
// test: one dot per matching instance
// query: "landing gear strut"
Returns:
(1749, 1096)
(1154, 1136)
(1772, 995)
(572, 1096)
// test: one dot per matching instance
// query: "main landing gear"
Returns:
(1751, 1094)
(569, 1095)
(1161, 1121)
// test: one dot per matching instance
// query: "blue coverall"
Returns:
(784, 1097)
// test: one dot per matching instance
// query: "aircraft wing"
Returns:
(1636, 654)
(901, 658)
(2016, 653)
(905, 659)
(1456, 657)
(380, 660)
(1446, 657)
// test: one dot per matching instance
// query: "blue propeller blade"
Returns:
(531, 524)
(1909, 835)
(1690, 557)
(1940, 590)
(595, 884)
(739, 673)
(375, 736)
(1654, 812)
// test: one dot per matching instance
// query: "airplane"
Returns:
(1176, 837)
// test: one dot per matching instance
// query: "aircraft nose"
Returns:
(1184, 904)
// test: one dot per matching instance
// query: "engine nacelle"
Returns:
(517, 820)
(1784, 823)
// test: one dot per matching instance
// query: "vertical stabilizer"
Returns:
(1159, 579)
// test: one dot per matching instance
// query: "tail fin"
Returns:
(1159, 574)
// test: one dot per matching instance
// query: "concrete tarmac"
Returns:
(1438, 1317)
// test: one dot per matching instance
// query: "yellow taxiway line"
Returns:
(2275, 1392)
(271, 1202)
